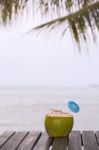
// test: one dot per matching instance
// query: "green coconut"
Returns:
(58, 123)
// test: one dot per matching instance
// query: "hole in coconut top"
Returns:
(59, 114)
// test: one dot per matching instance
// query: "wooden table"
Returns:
(86, 140)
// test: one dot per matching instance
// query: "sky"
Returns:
(37, 60)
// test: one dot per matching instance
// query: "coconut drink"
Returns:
(58, 123)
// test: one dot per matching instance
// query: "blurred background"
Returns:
(41, 72)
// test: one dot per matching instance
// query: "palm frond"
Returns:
(78, 15)
(79, 21)
(8, 8)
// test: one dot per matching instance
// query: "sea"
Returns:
(25, 108)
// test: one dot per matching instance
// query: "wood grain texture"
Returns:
(75, 141)
(5, 137)
(14, 141)
(60, 143)
(97, 137)
(44, 142)
(89, 140)
(29, 142)
(36, 140)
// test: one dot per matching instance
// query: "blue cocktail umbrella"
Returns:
(73, 106)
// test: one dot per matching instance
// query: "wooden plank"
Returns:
(30, 141)
(14, 141)
(5, 137)
(60, 143)
(89, 140)
(97, 137)
(43, 143)
(75, 141)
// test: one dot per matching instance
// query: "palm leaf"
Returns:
(78, 15)
(79, 21)
(10, 8)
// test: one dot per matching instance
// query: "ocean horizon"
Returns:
(24, 108)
